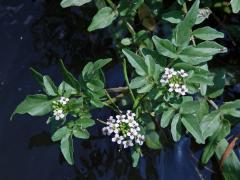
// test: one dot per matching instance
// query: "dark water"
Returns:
(37, 34)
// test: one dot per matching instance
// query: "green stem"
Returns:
(112, 102)
(118, 89)
(111, 4)
(131, 30)
(126, 79)
(185, 8)
(103, 122)
(213, 104)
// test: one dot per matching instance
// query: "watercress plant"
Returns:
(172, 89)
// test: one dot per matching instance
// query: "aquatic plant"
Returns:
(171, 87)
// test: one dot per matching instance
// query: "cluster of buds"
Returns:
(124, 129)
(59, 108)
(174, 80)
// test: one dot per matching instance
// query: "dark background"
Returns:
(37, 34)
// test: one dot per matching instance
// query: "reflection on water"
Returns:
(37, 33)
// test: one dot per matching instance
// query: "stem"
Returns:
(126, 79)
(118, 89)
(193, 40)
(130, 28)
(103, 122)
(111, 4)
(114, 99)
(112, 102)
(185, 8)
(213, 103)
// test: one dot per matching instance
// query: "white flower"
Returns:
(64, 100)
(183, 90)
(140, 139)
(125, 144)
(59, 114)
(125, 129)
(170, 89)
(117, 139)
(106, 131)
(174, 80)
(182, 73)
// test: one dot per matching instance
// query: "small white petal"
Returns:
(170, 90)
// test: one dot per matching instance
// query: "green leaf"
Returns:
(68, 3)
(135, 158)
(38, 76)
(129, 9)
(126, 41)
(230, 105)
(183, 34)
(183, 29)
(191, 16)
(101, 63)
(150, 63)
(231, 166)
(201, 79)
(152, 140)
(67, 148)
(232, 112)
(102, 19)
(192, 125)
(221, 133)
(219, 83)
(203, 14)
(181, 2)
(85, 122)
(203, 52)
(145, 89)
(50, 87)
(210, 123)
(176, 128)
(138, 82)
(136, 61)
(211, 48)
(35, 105)
(87, 70)
(194, 56)
(189, 107)
(60, 133)
(203, 109)
(69, 78)
(66, 90)
(97, 103)
(235, 5)
(165, 47)
(81, 133)
(174, 17)
(166, 117)
(207, 33)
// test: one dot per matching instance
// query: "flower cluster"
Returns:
(174, 80)
(59, 108)
(125, 130)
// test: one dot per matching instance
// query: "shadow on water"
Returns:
(38, 33)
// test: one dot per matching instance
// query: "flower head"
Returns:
(175, 81)
(124, 129)
(59, 108)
